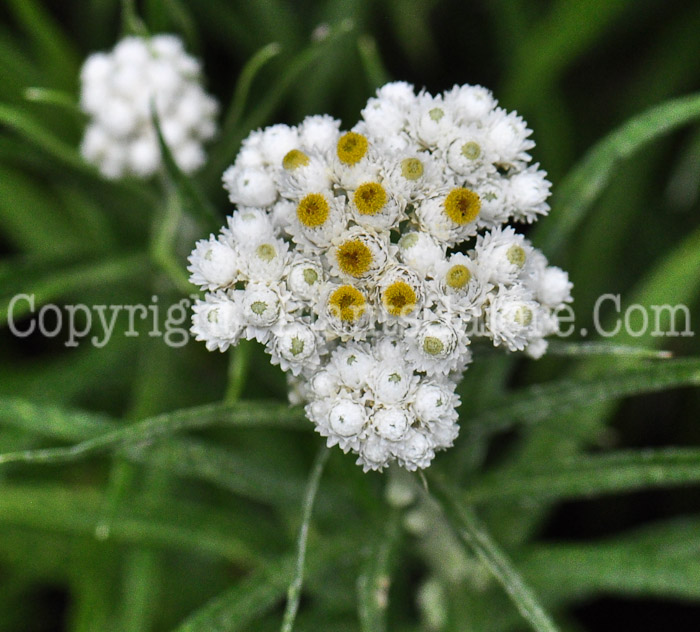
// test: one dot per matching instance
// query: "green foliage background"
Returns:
(150, 487)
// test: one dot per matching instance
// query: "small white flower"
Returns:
(390, 423)
(250, 186)
(420, 251)
(294, 347)
(117, 92)
(213, 264)
(217, 321)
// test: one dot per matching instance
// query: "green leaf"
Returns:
(245, 414)
(170, 524)
(576, 194)
(474, 537)
(659, 561)
(226, 149)
(244, 602)
(192, 200)
(578, 349)
(376, 72)
(294, 590)
(243, 85)
(590, 476)
(49, 283)
(374, 582)
(546, 401)
(552, 43)
(38, 135)
(25, 204)
(53, 48)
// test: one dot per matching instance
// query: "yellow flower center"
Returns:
(310, 276)
(458, 276)
(294, 159)
(436, 114)
(266, 252)
(399, 298)
(523, 316)
(516, 255)
(411, 168)
(347, 303)
(352, 147)
(354, 257)
(369, 198)
(471, 150)
(433, 346)
(297, 346)
(313, 210)
(462, 205)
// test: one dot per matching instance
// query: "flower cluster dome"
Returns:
(119, 91)
(367, 261)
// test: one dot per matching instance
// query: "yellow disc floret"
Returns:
(433, 346)
(523, 316)
(516, 255)
(294, 159)
(462, 205)
(354, 257)
(458, 276)
(399, 298)
(352, 147)
(313, 210)
(369, 198)
(411, 168)
(347, 303)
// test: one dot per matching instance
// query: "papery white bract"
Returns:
(385, 252)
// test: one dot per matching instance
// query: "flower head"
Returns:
(368, 260)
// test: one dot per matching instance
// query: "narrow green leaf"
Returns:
(25, 203)
(474, 537)
(55, 283)
(553, 43)
(238, 370)
(259, 592)
(53, 47)
(243, 85)
(243, 603)
(376, 72)
(375, 579)
(592, 476)
(575, 196)
(294, 590)
(58, 98)
(546, 401)
(228, 146)
(577, 349)
(245, 414)
(172, 524)
(192, 200)
(38, 135)
(659, 561)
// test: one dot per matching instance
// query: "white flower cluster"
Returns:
(366, 261)
(119, 90)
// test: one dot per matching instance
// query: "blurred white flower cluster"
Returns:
(367, 261)
(119, 90)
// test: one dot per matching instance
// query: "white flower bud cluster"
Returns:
(119, 90)
(367, 261)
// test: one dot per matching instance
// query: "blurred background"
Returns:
(574, 70)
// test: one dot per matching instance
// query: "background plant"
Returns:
(145, 487)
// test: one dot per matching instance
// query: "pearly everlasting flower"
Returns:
(367, 261)
(120, 89)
